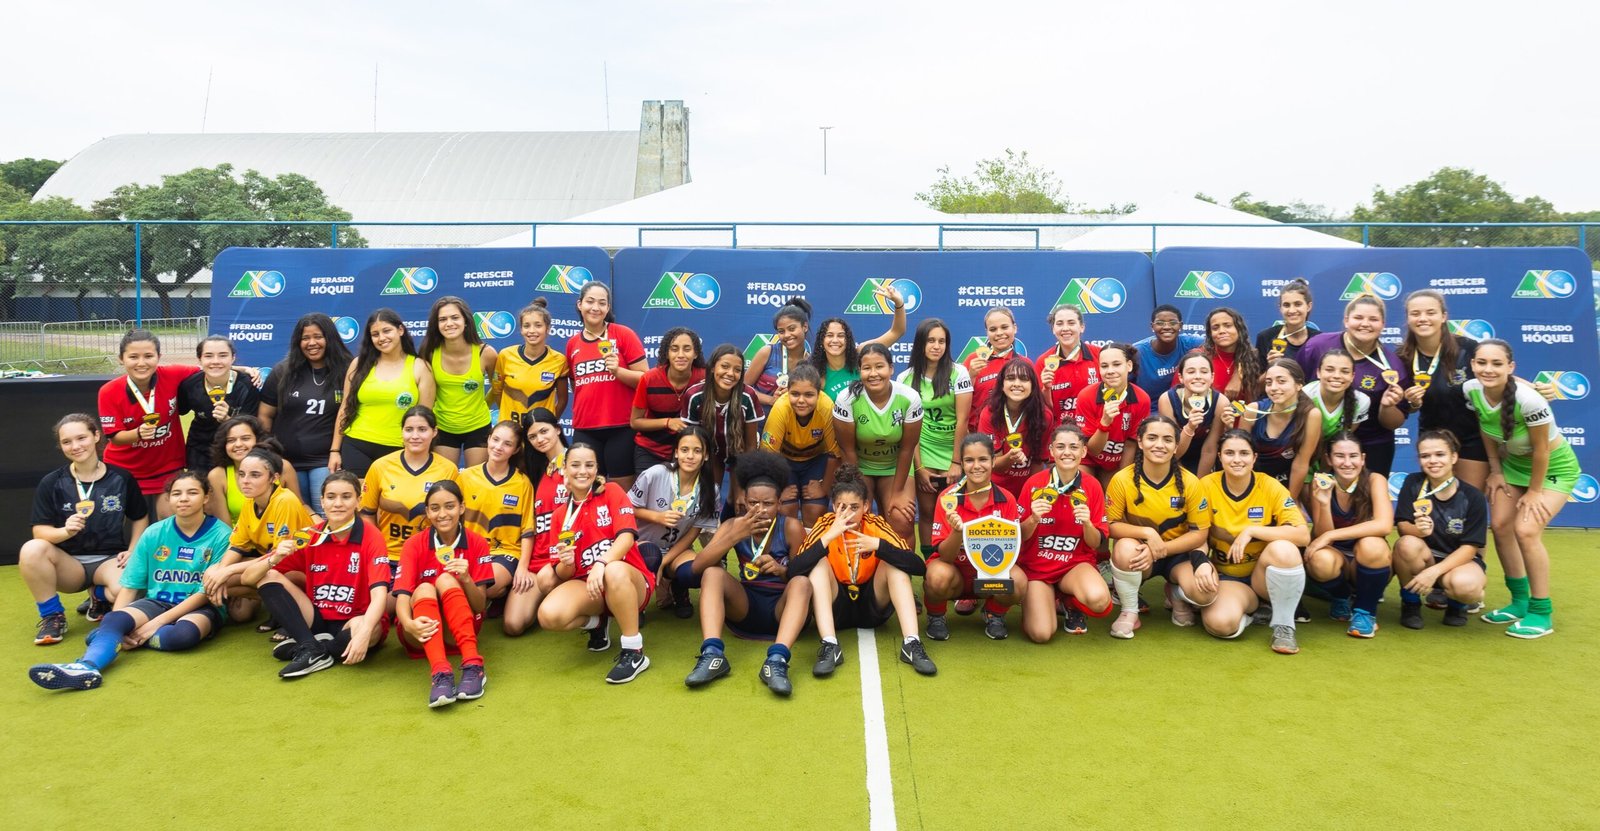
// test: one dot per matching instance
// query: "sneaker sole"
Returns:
(47, 641)
(441, 702)
(318, 665)
(643, 665)
(1356, 633)
(65, 682)
(461, 696)
(1286, 650)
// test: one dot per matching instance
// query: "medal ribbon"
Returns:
(1375, 357)
(1428, 493)
(147, 404)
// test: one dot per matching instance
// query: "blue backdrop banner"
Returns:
(1537, 299)
(258, 293)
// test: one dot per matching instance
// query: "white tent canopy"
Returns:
(1132, 232)
(709, 206)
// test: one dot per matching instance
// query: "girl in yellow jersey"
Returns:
(1257, 531)
(800, 428)
(272, 513)
(384, 381)
(463, 368)
(499, 508)
(396, 492)
(532, 376)
(1155, 509)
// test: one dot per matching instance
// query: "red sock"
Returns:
(994, 607)
(458, 614)
(434, 646)
(935, 607)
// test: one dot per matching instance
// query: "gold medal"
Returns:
(1197, 404)
(751, 572)
(567, 537)
(1422, 507)
(681, 504)
(217, 394)
(302, 538)
(1047, 495)
(783, 380)
(445, 554)
(85, 507)
(983, 352)
(1109, 395)
(854, 591)
(1279, 344)
(152, 419)
(1390, 376)
(1014, 440)
(948, 502)
(605, 348)
(1052, 362)
(1078, 499)
(1323, 481)
(1423, 379)
(1239, 407)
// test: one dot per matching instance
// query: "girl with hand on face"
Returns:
(397, 485)
(800, 427)
(139, 414)
(1284, 339)
(607, 362)
(1443, 524)
(773, 366)
(674, 504)
(532, 376)
(726, 408)
(1017, 418)
(165, 566)
(214, 394)
(1283, 425)
(86, 517)
(1235, 367)
(463, 373)
(1071, 366)
(1440, 363)
(440, 597)
(946, 391)
(499, 506)
(385, 381)
(1194, 405)
(985, 362)
(836, 355)
(237, 437)
(951, 575)
(1061, 558)
(1109, 412)
(659, 399)
(878, 423)
(1353, 517)
(301, 400)
(1378, 372)
(272, 514)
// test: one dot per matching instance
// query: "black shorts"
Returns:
(861, 612)
(1163, 567)
(92, 564)
(471, 440)
(614, 447)
(643, 459)
(153, 608)
(761, 621)
(357, 456)
(505, 561)
(1472, 448)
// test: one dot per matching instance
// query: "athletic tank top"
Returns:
(459, 404)
(236, 499)
(1274, 454)
(383, 404)
(1178, 400)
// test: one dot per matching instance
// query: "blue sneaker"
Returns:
(1363, 624)
(73, 676)
(443, 689)
(1339, 608)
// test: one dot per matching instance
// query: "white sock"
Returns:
(633, 641)
(1284, 586)
(834, 641)
(592, 622)
(908, 639)
(1127, 585)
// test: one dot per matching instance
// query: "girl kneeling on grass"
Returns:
(1443, 524)
(344, 566)
(439, 592)
(499, 506)
(951, 575)
(1353, 517)
(592, 537)
(165, 566)
(1061, 556)
(1255, 539)
(868, 575)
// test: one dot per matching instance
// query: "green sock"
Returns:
(1519, 596)
(1539, 607)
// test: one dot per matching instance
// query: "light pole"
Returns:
(824, 149)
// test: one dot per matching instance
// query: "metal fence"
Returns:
(76, 347)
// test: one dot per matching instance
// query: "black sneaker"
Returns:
(911, 652)
(284, 650)
(1455, 614)
(994, 626)
(1075, 623)
(443, 689)
(684, 610)
(630, 662)
(707, 668)
(83, 608)
(472, 683)
(307, 659)
(1300, 613)
(600, 636)
(938, 628)
(52, 628)
(1411, 615)
(829, 657)
(1437, 598)
(775, 674)
(97, 609)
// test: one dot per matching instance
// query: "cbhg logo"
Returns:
(1474, 328)
(258, 284)
(348, 328)
(564, 279)
(1570, 386)
(494, 325)
(755, 345)
(421, 280)
(1380, 284)
(1207, 285)
(1097, 295)
(872, 298)
(684, 290)
(974, 344)
(1546, 285)
(1586, 490)
(1395, 481)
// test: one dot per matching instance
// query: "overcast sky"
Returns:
(1122, 100)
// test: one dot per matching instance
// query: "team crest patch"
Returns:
(1257, 514)
(547, 377)
(162, 553)
(471, 386)
(1458, 377)
(1203, 504)
(1368, 382)
(816, 434)
(1288, 503)
(897, 417)
(1455, 525)
(111, 503)
(602, 517)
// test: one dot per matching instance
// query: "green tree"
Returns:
(59, 258)
(1008, 184)
(28, 175)
(1453, 194)
(1292, 213)
(173, 255)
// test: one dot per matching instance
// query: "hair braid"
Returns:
(1138, 474)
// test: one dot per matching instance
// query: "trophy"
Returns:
(1423, 379)
(992, 544)
(1390, 376)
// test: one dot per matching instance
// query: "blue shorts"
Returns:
(1235, 578)
(505, 561)
(153, 608)
(809, 471)
(761, 621)
(1163, 567)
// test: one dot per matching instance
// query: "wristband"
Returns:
(1198, 558)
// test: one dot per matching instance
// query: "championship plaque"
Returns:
(992, 545)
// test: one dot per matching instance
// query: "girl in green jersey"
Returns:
(946, 390)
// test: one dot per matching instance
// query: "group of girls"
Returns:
(1244, 473)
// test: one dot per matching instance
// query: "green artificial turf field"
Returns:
(1440, 728)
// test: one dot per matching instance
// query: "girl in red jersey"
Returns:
(1193, 404)
(985, 362)
(545, 454)
(440, 595)
(1062, 555)
(1235, 366)
(1071, 366)
(607, 361)
(592, 538)
(1109, 412)
(950, 573)
(344, 566)
(658, 400)
(139, 414)
(1018, 417)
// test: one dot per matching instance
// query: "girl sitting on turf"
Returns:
(1281, 426)
(1060, 557)
(1255, 539)
(1353, 517)
(272, 514)
(439, 593)
(1154, 507)
(950, 574)
(1017, 418)
(592, 537)
(236, 437)
(673, 505)
(1108, 411)
(867, 576)
(1194, 405)
(758, 600)
(344, 568)
(800, 427)
(1443, 524)
(174, 614)
(499, 502)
